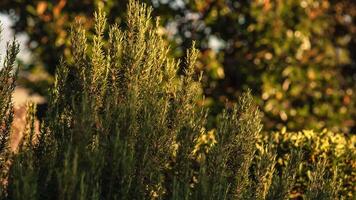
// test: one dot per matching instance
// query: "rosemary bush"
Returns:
(7, 85)
(123, 123)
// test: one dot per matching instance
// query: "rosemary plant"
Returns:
(123, 123)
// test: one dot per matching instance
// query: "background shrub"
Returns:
(337, 149)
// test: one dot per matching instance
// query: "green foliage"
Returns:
(123, 123)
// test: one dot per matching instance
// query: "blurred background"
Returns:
(297, 56)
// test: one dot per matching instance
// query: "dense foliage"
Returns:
(124, 123)
(337, 148)
(296, 55)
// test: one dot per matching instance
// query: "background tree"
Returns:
(297, 55)
(292, 52)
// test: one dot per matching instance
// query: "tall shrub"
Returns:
(123, 123)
